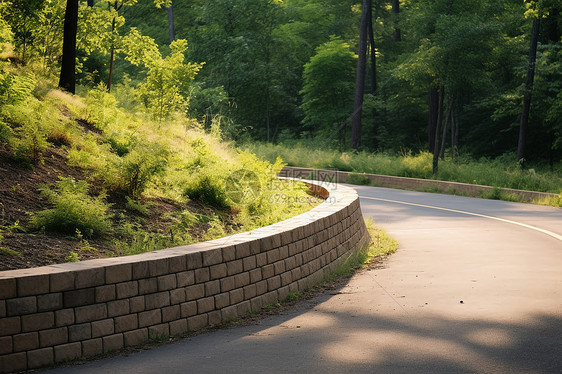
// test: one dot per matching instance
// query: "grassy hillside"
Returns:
(91, 175)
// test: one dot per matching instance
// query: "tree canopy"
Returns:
(447, 70)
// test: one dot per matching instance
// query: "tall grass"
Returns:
(499, 172)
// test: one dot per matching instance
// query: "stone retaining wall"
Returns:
(474, 190)
(62, 312)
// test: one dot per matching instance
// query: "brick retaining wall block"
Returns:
(62, 312)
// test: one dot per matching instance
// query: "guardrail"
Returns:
(61, 312)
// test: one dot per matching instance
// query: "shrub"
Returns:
(5, 133)
(360, 179)
(33, 123)
(31, 143)
(132, 172)
(73, 209)
(209, 188)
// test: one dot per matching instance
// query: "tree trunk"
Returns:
(68, 67)
(437, 127)
(528, 90)
(360, 77)
(445, 126)
(396, 12)
(171, 30)
(373, 53)
(454, 134)
(111, 58)
(433, 104)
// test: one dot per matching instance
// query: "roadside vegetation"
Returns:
(95, 175)
(498, 172)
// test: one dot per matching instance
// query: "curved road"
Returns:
(475, 287)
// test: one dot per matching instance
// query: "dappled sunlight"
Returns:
(491, 337)
(386, 340)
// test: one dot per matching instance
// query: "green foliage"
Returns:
(208, 187)
(328, 86)
(381, 244)
(293, 296)
(5, 132)
(15, 88)
(72, 257)
(136, 206)
(360, 179)
(6, 35)
(552, 201)
(132, 239)
(31, 126)
(167, 82)
(499, 194)
(8, 251)
(101, 107)
(16, 227)
(139, 166)
(73, 209)
(500, 172)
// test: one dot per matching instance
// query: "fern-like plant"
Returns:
(73, 209)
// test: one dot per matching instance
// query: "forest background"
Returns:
(451, 77)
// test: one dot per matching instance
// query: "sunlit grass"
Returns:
(500, 172)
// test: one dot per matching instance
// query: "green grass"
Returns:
(500, 172)
(552, 201)
(10, 252)
(381, 245)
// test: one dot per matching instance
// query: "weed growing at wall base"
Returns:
(381, 245)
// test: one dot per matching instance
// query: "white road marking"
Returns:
(554, 235)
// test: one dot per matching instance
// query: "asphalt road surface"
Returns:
(475, 287)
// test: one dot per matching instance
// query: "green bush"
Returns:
(208, 188)
(33, 123)
(5, 133)
(360, 179)
(132, 172)
(31, 143)
(73, 209)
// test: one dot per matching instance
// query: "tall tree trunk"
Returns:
(437, 127)
(445, 126)
(454, 134)
(395, 13)
(528, 90)
(171, 30)
(360, 76)
(68, 67)
(433, 104)
(111, 58)
(373, 53)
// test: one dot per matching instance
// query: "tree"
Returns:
(166, 88)
(395, 13)
(171, 31)
(116, 5)
(528, 91)
(328, 89)
(22, 18)
(68, 71)
(360, 76)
